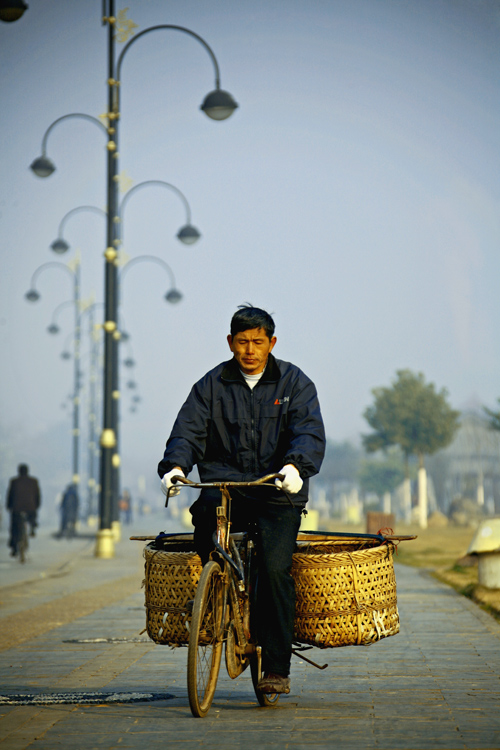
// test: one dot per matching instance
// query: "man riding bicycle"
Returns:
(250, 416)
(23, 501)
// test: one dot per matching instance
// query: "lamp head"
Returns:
(12, 10)
(129, 362)
(42, 166)
(59, 246)
(32, 295)
(173, 296)
(218, 105)
(53, 329)
(131, 384)
(188, 234)
(65, 355)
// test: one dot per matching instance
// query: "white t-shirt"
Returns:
(252, 380)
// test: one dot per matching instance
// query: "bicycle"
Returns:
(20, 535)
(353, 603)
(222, 608)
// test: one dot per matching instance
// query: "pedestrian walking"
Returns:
(125, 507)
(69, 511)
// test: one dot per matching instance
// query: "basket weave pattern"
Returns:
(345, 598)
(170, 582)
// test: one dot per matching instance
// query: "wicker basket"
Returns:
(170, 582)
(345, 592)
(344, 596)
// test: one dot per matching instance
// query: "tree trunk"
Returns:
(480, 488)
(407, 493)
(422, 493)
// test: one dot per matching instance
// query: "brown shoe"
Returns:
(274, 683)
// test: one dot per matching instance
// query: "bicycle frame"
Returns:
(233, 592)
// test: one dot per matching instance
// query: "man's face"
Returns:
(251, 349)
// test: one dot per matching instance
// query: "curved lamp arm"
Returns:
(173, 295)
(53, 327)
(218, 104)
(42, 165)
(60, 245)
(76, 210)
(129, 193)
(32, 295)
(80, 115)
(173, 28)
(188, 234)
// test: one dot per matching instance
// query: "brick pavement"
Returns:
(435, 685)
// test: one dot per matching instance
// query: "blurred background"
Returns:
(353, 194)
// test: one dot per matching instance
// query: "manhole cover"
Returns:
(108, 640)
(47, 699)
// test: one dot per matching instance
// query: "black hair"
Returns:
(247, 317)
(23, 470)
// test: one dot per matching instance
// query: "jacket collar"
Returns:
(231, 372)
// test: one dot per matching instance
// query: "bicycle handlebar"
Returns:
(255, 483)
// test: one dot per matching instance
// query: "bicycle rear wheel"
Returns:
(22, 545)
(205, 640)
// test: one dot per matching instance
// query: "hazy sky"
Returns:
(354, 194)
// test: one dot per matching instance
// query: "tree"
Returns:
(494, 417)
(380, 477)
(341, 462)
(413, 415)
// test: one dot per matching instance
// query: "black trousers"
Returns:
(277, 526)
(16, 526)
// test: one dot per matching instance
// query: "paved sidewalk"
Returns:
(435, 685)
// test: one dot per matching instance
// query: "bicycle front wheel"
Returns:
(264, 699)
(205, 639)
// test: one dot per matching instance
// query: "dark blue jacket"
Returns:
(235, 433)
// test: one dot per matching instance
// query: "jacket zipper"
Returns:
(252, 412)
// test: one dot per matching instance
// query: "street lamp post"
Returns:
(32, 295)
(92, 400)
(188, 234)
(92, 484)
(217, 105)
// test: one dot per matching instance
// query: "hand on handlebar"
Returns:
(167, 484)
(291, 481)
(178, 476)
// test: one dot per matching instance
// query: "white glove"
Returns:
(166, 482)
(292, 482)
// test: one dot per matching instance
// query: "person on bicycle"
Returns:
(23, 496)
(250, 416)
